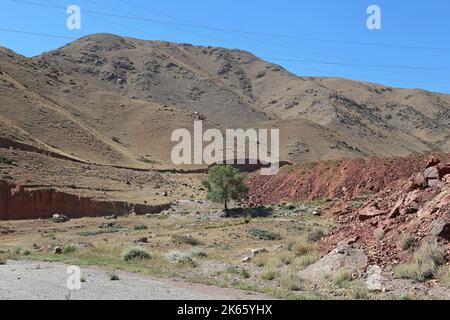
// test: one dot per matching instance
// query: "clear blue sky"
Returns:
(405, 24)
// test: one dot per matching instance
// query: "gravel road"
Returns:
(29, 280)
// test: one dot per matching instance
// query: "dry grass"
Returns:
(341, 278)
(300, 246)
(423, 266)
(269, 275)
(223, 240)
(444, 276)
(307, 259)
(291, 280)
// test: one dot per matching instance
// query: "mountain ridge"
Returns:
(111, 96)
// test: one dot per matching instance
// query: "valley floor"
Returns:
(32, 280)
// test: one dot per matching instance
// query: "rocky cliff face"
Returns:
(19, 202)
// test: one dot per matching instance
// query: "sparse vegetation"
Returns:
(69, 249)
(359, 292)
(444, 276)
(179, 257)
(341, 278)
(135, 253)
(179, 239)
(140, 227)
(269, 275)
(263, 234)
(225, 183)
(291, 280)
(244, 274)
(316, 235)
(300, 246)
(424, 264)
(378, 234)
(4, 160)
(307, 259)
(113, 276)
(98, 232)
(408, 242)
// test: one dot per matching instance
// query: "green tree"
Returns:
(225, 183)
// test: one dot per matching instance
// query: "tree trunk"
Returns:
(226, 209)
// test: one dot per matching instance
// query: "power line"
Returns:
(274, 35)
(38, 34)
(356, 64)
(265, 58)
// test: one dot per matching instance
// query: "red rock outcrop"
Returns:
(344, 179)
(18, 202)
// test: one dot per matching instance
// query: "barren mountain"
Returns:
(114, 100)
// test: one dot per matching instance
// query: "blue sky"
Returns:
(411, 50)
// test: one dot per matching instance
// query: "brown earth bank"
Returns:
(21, 202)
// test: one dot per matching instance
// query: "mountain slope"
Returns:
(115, 100)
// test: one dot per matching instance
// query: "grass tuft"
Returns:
(423, 266)
(135, 253)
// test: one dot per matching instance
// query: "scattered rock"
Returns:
(370, 212)
(343, 257)
(57, 250)
(374, 278)
(106, 225)
(59, 218)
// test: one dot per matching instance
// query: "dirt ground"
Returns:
(33, 280)
(260, 250)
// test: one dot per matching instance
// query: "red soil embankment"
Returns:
(343, 179)
(18, 202)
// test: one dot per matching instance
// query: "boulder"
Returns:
(344, 256)
(370, 212)
(396, 209)
(444, 170)
(440, 228)
(420, 182)
(431, 173)
(374, 278)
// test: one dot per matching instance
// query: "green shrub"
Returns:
(140, 227)
(408, 242)
(4, 160)
(269, 275)
(179, 257)
(17, 250)
(244, 274)
(178, 239)
(135, 253)
(196, 252)
(264, 234)
(69, 249)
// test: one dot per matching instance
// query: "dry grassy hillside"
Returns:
(114, 100)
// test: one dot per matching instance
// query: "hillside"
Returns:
(113, 100)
